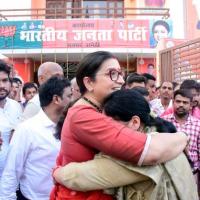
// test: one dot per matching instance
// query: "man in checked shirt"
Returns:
(184, 121)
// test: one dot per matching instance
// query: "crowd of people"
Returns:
(100, 136)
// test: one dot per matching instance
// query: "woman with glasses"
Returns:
(86, 131)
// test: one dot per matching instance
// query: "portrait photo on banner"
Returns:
(160, 29)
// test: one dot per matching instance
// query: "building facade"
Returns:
(65, 30)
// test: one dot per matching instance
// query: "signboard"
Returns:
(78, 33)
(12, 34)
(96, 33)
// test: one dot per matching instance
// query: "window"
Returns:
(103, 9)
(84, 8)
(94, 9)
(116, 9)
(55, 9)
(69, 9)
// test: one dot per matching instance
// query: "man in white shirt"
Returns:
(45, 71)
(10, 112)
(34, 148)
(159, 106)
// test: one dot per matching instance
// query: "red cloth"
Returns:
(167, 112)
(86, 132)
(63, 193)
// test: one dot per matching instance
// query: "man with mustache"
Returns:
(10, 112)
(160, 105)
(34, 148)
(185, 122)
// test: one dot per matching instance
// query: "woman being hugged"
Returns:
(86, 131)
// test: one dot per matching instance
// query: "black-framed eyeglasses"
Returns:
(114, 74)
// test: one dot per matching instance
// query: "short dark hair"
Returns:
(16, 80)
(198, 87)
(4, 67)
(189, 84)
(184, 93)
(89, 66)
(53, 86)
(149, 76)
(132, 78)
(142, 90)
(162, 23)
(131, 74)
(28, 85)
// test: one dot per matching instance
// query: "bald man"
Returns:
(45, 71)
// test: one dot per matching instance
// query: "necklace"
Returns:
(93, 104)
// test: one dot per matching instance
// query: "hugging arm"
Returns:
(100, 173)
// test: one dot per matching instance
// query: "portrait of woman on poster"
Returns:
(160, 29)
